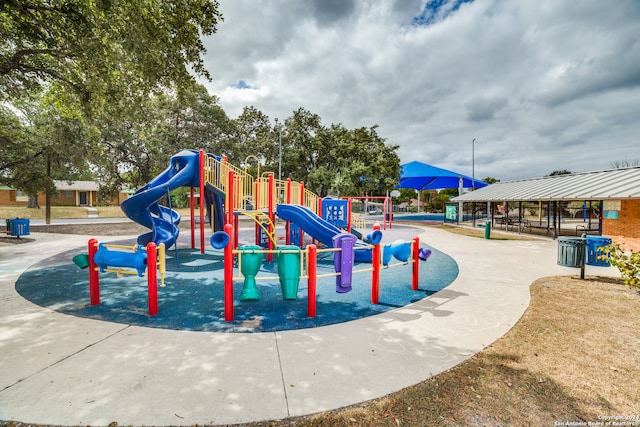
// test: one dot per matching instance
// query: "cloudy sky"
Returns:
(542, 85)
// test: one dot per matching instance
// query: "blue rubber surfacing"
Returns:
(193, 297)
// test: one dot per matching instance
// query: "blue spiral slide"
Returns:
(143, 207)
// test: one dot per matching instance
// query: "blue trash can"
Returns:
(19, 227)
(593, 243)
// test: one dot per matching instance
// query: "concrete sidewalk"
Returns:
(60, 369)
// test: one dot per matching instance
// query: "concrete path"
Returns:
(60, 369)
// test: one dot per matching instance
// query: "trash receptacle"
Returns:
(571, 251)
(487, 230)
(19, 227)
(593, 243)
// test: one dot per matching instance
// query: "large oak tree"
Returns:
(91, 62)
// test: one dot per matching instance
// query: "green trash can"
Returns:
(289, 270)
(571, 251)
(487, 230)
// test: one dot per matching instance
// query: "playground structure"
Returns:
(136, 259)
(387, 209)
(295, 264)
(227, 192)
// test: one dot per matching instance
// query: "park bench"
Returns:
(514, 222)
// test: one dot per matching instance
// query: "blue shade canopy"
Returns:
(421, 176)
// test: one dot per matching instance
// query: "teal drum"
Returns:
(289, 270)
(250, 263)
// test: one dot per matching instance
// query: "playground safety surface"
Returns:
(60, 368)
(193, 297)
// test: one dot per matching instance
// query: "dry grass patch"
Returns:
(68, 212)
(573, 356)
(467, 231)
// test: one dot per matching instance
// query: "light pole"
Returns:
(473, 165)
(279, 149)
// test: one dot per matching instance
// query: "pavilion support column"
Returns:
(460, 203)
(473, 213)
(555, 216)
(600, 216)
(520, 217)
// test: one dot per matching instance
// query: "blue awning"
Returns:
(421, 176)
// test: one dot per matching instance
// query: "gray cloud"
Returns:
(483, 109)
(329, 11)
(542, 85)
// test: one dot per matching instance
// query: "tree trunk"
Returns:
(33, 202)
(47, 197)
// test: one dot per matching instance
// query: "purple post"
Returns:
(343, 260)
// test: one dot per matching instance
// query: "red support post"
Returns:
(152, 278)
(287, 225)
(193, 218)
(375, 276)
(416, 263)
(228, 277)
(202, 202)
(94, 280)
(311, 287)
(230, 196)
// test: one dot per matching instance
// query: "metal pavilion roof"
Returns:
(614, 184)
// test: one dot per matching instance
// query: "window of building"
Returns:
(21, 196)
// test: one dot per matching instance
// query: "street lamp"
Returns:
(279, 149)
(473, 165)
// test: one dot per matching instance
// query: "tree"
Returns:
(337, 160)
(490, 180)
(300, 147)
(95, 70)
(41, 144)
(137, 141)
(560, 172)
(252, 135)
(194, 119)
(617, 164)
(89, 47)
